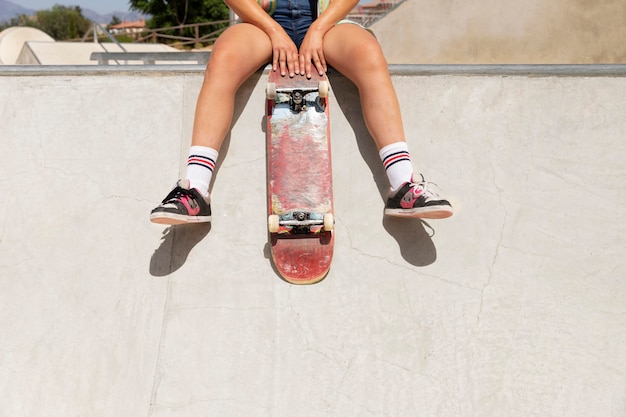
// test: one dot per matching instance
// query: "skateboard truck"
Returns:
(297, 97)
(298, 222)
(296, 101)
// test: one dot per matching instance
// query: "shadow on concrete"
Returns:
(176, 244)
(416, 245)
(415, 241)
(241, 101)
(178, 241)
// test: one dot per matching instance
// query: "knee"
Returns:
(370, 48)
(240, 50)
(223, 55)
(221, 73)
(375, 57)
(367, 57)
(368, 65)
(227, 61)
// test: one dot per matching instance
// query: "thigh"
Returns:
(242, 49)
(353, 50)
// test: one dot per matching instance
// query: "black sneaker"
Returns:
(182, 205)
(417, 199)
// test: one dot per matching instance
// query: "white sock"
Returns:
(200, 166)
(397, 162)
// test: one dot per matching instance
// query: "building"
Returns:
(128, 28)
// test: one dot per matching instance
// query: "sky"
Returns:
(99, 6)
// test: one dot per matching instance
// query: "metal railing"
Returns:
(98, 28)
(368, 15)
(164, 35)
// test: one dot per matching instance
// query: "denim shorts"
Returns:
(295, 16)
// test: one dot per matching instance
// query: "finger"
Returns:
(302, 63)
(282, 63)
(307, 66)
(275, 56)
(318, 64)
(279, 60)
(293, 64)
(314, 64)
(322, 67)
(307, 70)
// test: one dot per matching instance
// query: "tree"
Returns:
(62, 22)
(114, 21)
(168, 13)
(19, 20)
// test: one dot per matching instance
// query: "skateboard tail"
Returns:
(303, 261)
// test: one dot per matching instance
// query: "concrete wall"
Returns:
(515, 306)
(505, 32)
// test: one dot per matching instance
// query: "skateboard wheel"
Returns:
(323, 88)
(329, 222)
(270, 91)
(273, 223)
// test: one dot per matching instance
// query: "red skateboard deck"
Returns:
(299, 177)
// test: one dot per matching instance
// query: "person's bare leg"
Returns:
(240, 51)
(355, 53)
(237, 54)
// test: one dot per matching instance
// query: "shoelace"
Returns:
(426, 188)
(177, 193)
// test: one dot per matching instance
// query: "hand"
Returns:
(284, 55)
(312, 54)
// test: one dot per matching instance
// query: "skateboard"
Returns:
(299, 177)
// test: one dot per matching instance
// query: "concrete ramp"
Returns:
(515, 306)
(12, 41)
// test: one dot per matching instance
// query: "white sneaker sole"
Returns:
(174, 219)
(432, 212)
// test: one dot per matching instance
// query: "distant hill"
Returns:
(9, 10)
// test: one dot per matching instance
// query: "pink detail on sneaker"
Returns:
(410, 197)
(192, 209)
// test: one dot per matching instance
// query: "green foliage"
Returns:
(114, 21)
(20, 20)
(60, 22)
(123, 39)
(168, 13)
